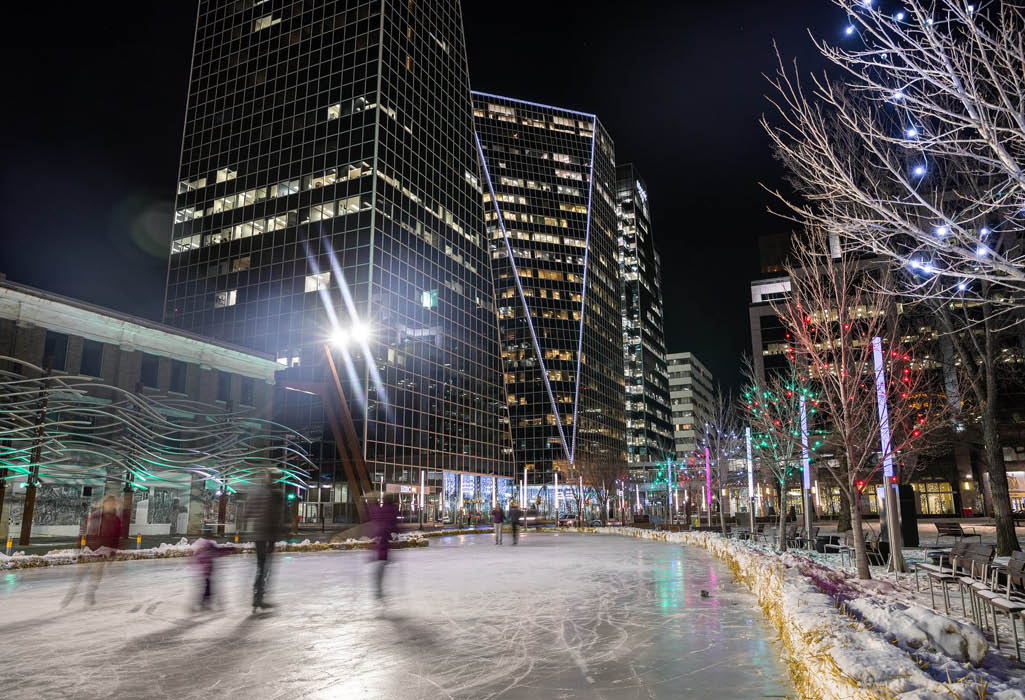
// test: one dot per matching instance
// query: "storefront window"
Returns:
(934, 497)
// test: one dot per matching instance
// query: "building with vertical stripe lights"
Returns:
(550, 217)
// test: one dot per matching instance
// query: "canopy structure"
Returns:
(68, 428)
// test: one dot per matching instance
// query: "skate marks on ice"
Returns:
(565, 616)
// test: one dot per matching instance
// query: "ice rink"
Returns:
(559, 616)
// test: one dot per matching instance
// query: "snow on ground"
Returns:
(888, 647)
(563, 616)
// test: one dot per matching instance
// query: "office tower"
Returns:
(691, 390)
(550, 215)
(649, 436)
(330, 185)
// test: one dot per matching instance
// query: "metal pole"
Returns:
(750, 480)
(556, 514)
(28, 509)
(886, 446)
(708, 486)
(806, 480)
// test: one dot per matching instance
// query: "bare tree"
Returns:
(772, 410)
(722, 437)
(839, 329)
(914, 159)
(919, 155)
(600, 473)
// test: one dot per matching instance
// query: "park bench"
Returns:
(844, 546)
(975, 573)
(954, 530)
(944, 575)
(1011, 602)
(925, 567)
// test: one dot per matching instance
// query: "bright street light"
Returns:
(358, 332)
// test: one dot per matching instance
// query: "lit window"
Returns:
(261, 23)
(189, 185)
(318, 282)
(225, 174)
(240, 264)
(429, 298)
(319, 212)
(223, 299)
(334, 111)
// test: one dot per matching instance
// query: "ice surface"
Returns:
(560, 616)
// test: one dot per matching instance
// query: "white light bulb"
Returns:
(849, 30)
(942, 231)
(981, 251)
(898, 95)
(900, 16)
(912, 132)
(929, 21)
(971, 9)
(919, 170)
(983, 231)
(962, 286)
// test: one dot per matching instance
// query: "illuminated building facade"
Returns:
(550, 215)
(649, 436)
(329, 180)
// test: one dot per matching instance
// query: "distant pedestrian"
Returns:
(102, 536)
(514, 520)
(204, 552)
(497, 516)
(793, 514)
(385, 521)
(264, 514)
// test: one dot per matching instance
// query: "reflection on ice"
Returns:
(565, 616)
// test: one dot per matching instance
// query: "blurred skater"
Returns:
(497, 516)
(385, 522)
(264, 514)
(102, 536)
(514, 520)
(204, 552)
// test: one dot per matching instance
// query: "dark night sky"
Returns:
(96, 104)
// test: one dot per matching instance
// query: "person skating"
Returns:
(264, 514)
(102, 536)
(514, 520)
(204, 552)
(497, 516)
(385, 520)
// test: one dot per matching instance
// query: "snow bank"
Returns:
(879, 650)
(182, 548)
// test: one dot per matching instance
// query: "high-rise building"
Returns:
(649, 433)
(691, 390)
(550, 215)
(329, 180)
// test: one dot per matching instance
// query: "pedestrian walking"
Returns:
(204, 552)
(514, 520)
(497, 516)
(264, 514)
(385, 521)
(102, 536)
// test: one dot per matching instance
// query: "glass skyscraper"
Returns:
(329, 180)
(550, 216)
(649, 434)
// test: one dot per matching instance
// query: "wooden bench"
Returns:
(954, 530)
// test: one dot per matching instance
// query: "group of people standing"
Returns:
(515, 518)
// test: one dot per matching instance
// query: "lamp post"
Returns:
(806, 476)
(750, 480)
(349, 448)
(886, 446)
(708, 486)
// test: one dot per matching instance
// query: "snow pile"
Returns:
(182, 548)
(895, 652)
(917, 628)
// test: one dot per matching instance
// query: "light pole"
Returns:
(750, 480)
(348, 444)
(806, 476)
(896, 552)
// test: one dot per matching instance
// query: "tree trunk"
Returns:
(782, 519)
(860, 555)
(1007, 541)
(843, 523)
(722, 518)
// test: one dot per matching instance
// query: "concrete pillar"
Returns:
(196, 506)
